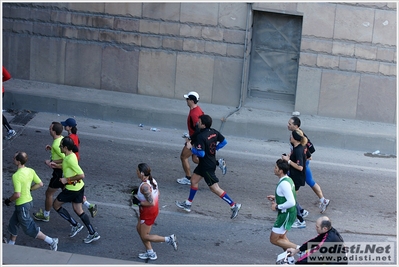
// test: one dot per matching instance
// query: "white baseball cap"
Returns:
(192, 95)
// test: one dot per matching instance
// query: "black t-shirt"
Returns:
(298, 156)
(206, 141)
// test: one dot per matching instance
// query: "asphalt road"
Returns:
(362, 191)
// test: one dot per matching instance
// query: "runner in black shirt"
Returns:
(297, 162)
(208, 142)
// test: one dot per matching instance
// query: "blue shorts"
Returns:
(21, 218)
(309, 176)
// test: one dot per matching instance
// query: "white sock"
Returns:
(48, 240)
(46, 213)
(150, 251)
(322, 200)
(167, 239)
(11, 242)
(87, 204)
(188, 202)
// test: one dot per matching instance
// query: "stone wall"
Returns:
(347, 64)
(157, 49)
(348, 58)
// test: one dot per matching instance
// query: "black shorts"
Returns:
(208, 174)
(71, 196)
(55, 180)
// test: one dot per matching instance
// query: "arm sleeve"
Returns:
(284, 189)
(221, 144)
(198, 153)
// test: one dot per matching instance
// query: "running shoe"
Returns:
(90, 238)
(304, 213)
(222, 166)
(173, 241)
(324, 205)
(183, 180)
(235, 209)
(54, 244)
(298, 224)
(183, 205)
(39, 216)
(290, 260)
(146, 255)
(75, 229)
(11, 134)
(93, 210)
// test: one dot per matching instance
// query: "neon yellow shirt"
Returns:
(70, 168)
(22, 180)
(56, 153)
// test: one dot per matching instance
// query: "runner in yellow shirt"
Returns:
(22, 180)
(73, 192)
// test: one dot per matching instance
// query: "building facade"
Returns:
(327, 59)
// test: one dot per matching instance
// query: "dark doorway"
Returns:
(276, 40)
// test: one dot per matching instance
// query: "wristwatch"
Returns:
(277, 209)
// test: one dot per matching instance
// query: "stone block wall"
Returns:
(157, 49)
(347, 64)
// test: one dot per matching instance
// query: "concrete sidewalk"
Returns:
(249, 122)
(15, 255)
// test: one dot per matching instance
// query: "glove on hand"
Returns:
(7, 201)
(136, 201)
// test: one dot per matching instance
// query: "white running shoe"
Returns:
(324, 205)
(304, 213)
(11, 134)
(150, 256)
(183, 180)
(173, 241)
(298, 224)
(54, 244)
(222, 166)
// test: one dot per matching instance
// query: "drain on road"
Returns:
(23, 117)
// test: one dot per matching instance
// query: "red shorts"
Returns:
(149, 214)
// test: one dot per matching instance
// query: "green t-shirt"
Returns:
(22, 180)
(70, 168)
(56, 153)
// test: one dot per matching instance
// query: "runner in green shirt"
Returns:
(73, 192)
(57, 156)
(283, 201)
(22, 180)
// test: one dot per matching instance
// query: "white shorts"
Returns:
(280, 230)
